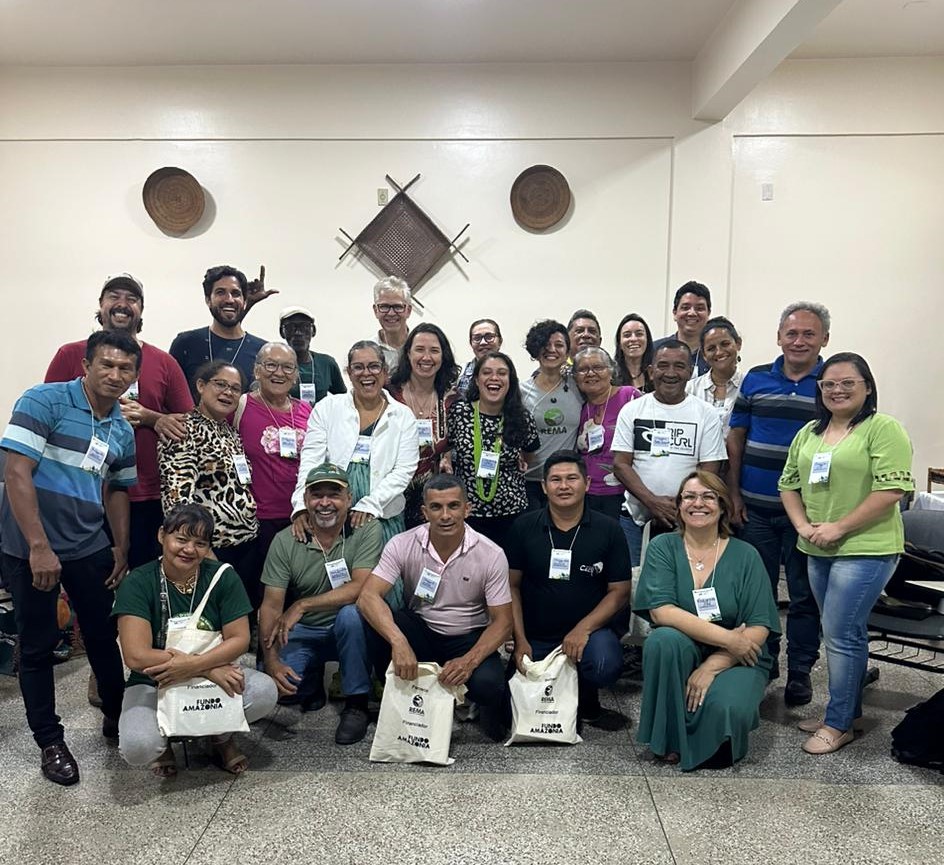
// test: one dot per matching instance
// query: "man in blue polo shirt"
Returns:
(70, 460)
(570, 579)
(775, 401)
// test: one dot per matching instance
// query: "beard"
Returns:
(225, 322)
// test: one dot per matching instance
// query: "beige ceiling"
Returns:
(159, 32)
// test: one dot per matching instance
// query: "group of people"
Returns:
(438, 512)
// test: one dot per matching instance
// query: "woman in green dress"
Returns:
(705, 664)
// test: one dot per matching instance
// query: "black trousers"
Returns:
(38, 631)
(486, 684)
(146, 519)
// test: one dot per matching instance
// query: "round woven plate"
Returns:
(174, 200)
(540, 197)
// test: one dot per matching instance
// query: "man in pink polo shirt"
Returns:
(458, 602)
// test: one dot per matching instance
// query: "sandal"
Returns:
(670, 759)
(826, 740)
(165, 766)
(226, 755)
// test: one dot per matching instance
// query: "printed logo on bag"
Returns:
(548, 694)
(204, 704)
(545, 729)
(417, 707)
(415, 741)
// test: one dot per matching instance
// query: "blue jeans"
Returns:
(345, 641)
(633, 535)
(846, 588)
(773, 536)
(602, 660)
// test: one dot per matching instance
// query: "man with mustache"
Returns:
(229, 296)
(660, 438)
(321, 579)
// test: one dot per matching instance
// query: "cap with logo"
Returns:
(327, 473)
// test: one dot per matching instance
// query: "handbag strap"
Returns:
(195, 617)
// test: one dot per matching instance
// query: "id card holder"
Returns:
(338, 574)
(595, 437)
(308, 392)
(95, 456)
(427, 586)
(706, 604)
(559, 568)
(288, 443)
(131, 392)
(177, 623)
(661, 442)
(361, 450)
(819, 470)
(241, 465)
(424, 431)
(488, 465)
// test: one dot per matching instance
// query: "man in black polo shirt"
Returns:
(570, 576)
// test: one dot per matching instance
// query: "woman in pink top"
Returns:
(272, 427)
(593, 371)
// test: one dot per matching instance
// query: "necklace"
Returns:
(699, 563)
(418, 410)
(188, 585)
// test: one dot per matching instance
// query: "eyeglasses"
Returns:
(272, 366)
(300, 326)
(709, 498)
(847, 385)
(360, 368)
(483, 338)
(224, 386)
(597, 369)
(398, 308)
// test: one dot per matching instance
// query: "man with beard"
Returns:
(154, 405)
(228, 296)
(660, 438)
(318, 374)
(320, 580)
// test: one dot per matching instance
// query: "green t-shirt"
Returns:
(139, 594)
(876, 455)
(322, 371)
(300, 568)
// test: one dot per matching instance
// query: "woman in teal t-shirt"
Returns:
(163, 594)
(844, 477)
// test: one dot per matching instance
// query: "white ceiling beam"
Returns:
(748, 44)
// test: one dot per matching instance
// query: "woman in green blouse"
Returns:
(844, 477)
(705, 664)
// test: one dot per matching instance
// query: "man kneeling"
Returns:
(321, 579)
(455, 584)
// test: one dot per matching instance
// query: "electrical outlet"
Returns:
(383, 196)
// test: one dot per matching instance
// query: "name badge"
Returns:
(706, 604)
(361, 450)
(819, 470)
(427, 585)
(559, 568)
(488, 465)
(661, 442)
(424, 430)
(308, 392)
(95, 456)
(595, 437)
(288, 442)
(131, 392)
(177, 623)
(338, 574)
(242, 468)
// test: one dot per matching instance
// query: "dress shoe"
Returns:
(799, 690)
(826, 741)
(352, 727)
(59, 765)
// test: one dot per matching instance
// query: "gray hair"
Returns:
(363, 344)
(394, 284)
(817, 309)
(267, 347)
(595, 351)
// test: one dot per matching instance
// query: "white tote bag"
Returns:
(198, 707)
(415, 721)
(544, 701)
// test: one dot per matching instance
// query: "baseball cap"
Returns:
(327, 473)
(125, 281)
(289, 311)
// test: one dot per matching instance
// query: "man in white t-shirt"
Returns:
(659, 439)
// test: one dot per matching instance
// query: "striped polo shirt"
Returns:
(52, 424)
(771, 408)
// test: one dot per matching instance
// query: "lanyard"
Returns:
(92, 419)
(477, 446)
(210, 345)
(573, 540)
(291, 412)
(591, 409)
(165, 603)
(317, 543)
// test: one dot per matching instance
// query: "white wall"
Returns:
(290, 154)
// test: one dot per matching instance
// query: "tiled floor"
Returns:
(307, 800)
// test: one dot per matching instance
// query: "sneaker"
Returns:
(352, 727)
(799, 689)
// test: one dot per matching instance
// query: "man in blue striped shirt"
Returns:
(775, 401)
(70, 461)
